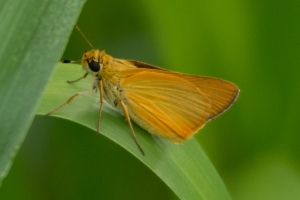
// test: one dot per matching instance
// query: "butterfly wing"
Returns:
(164, 104)
(221, 93)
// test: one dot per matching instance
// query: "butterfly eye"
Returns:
(94, 65)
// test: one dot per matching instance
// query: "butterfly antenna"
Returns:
(70, 61)
(78, 29)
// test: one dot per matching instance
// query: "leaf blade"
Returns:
(34, 34)
(183, 167)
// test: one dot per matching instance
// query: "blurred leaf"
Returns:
(33, 34)
(183, 167)
(271, 175)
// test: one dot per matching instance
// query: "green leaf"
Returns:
(33, 34)
(183, 167)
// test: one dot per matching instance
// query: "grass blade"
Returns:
(183, 167)
(33, 34)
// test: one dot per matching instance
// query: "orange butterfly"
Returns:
(168, 104)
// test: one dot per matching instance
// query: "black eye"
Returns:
(94, 65)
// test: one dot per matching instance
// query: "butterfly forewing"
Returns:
(164, 104)
(221, 93)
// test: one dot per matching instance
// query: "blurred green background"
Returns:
(254, 146)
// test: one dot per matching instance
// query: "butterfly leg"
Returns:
(125, 111)
(71, 99)
(100, 86)
(85, 75)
